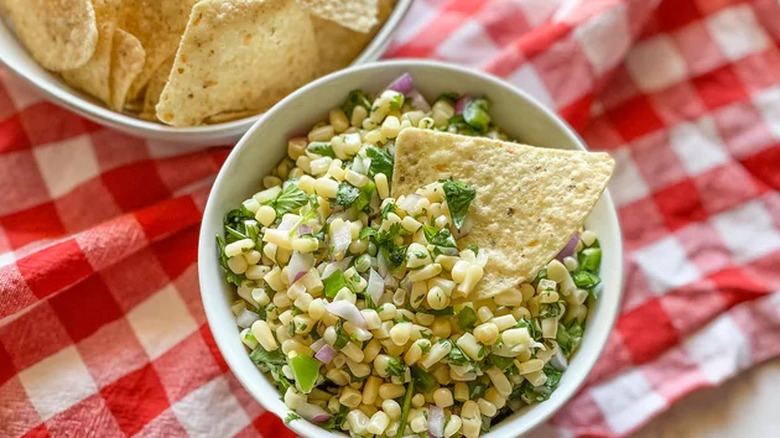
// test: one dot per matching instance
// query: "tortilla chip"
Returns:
(126, 63)
(158, 25)
(153, 90)
(338, 46)
(238, 55)
(60, 34)
(530, 200)
(93, 77)
(358, 15)
(228, 116)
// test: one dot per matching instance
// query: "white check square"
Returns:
(605, 38)
(737, 32)
(656, 64)
(66, 164)
(698, 145)
(224, 416)
(720, 349)
(162, 321)
(470, 45)
(58, 382)
(628, 400)
(747, 231)
(666, 265)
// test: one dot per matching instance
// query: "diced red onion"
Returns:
(298, 266)
(381, 265)
(345, 309)
(402, 84)
(409, 202)
(304, 229)
(287, 224)
(569, 248)
(418, 101)
(460, 105)
(312, 412)
(435, 421)
(465, 228)
(340, 240)
(559, 361)
(376, 285)
(325, 354)
(332, 267)
(406, 283)
(246, 318)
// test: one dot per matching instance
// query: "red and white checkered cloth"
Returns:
(101, 326)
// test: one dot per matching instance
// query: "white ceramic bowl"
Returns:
(16, 57)
(265, 144)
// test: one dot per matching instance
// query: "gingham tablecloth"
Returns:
(102, 331)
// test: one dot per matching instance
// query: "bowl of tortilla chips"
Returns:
(194, 71)
(535, 182)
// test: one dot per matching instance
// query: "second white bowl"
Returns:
(16, 57)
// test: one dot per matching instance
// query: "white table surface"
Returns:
(747, 406)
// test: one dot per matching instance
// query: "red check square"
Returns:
(680, 204)
(763, 167)
(51, 269)
(645, 344)
(136, 399)
(12, 135)
(720, 87)
(635, 118)
(86, 307)
(33, 224)
(135, 185)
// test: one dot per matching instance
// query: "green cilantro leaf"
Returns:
(354, 99)
(459, 197)
(289, 199)
(347, 194)
(321, 148)
(381, 162)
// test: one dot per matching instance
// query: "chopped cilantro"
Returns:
(467, 318)
(387, 209)
(334, 283)
(289, 199)
(459, 197)
(423, 379)
(347, 194)
(322, 148)
(230, 276)
(586, 280)
(381, 162)
(569, 338)
(354, 99)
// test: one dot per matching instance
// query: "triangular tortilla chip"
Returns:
(126, 62)
(238, 55)
(153, 90)
(93, 77)
(61, 35)
(158, 25)
(530, 200)
(358, 15)
(337, 45)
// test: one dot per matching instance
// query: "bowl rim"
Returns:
(588, 358)
(82, 104)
